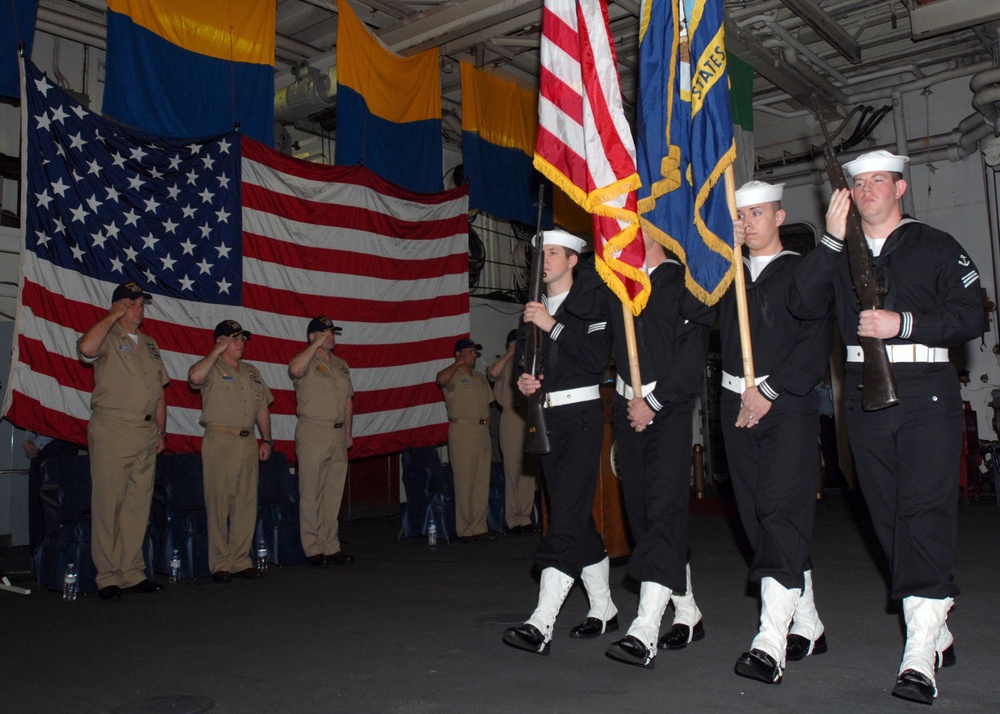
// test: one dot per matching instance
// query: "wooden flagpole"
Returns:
(739, 284)
(633, 352)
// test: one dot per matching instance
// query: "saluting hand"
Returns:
(318, 338)
(836, 213)
(222, 343)
(739, 232)
(120, 307)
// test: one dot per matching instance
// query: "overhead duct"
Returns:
(986, 86)
(310, 93)
(937, 18)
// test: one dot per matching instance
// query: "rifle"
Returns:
(878, 386)
(536, 441)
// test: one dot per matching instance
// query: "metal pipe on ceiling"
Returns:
(781, 32)
(813, 77)
(985, 99)
(452, 20)
(302, 49)
(68, 34)
(827, 28)
(899, 124)
(922, 83)
(86, 27)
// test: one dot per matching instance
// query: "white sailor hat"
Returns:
(880, 160)
(753, 193)
(557, 236)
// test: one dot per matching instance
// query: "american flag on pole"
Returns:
(584, 142)
(221, 228)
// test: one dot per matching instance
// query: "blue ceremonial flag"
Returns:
(191, 67)
(19, 29)
(388, 108)
(685, 139)
(499, 127)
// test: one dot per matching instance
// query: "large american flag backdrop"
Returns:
(224, 228)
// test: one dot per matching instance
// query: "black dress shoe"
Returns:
(526, 637)
(316, 560)
(946, 658)
(146, 586)
(798, 647)
(222, 576)
(109, 592)
(680, 636)
(516, 530)
(758, 665)
(338, 558)
(594, 627)
(249, 574)
(631, 650)
(914, 686)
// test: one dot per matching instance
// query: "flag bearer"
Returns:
(573, 318)
(770, 430)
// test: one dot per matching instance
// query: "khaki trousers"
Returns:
(470, 452)
(321, 451)
(519, 488)
(230, 466)
(122, 470)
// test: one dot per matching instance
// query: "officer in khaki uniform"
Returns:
(234, 397)
(127, 430)
(324, 399)
(519, 481)
(467, 397)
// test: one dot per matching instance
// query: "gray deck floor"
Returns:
(409, 629)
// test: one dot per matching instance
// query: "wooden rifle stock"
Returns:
(878, 387)
(536, 441)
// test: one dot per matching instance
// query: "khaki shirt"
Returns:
(504, 388)
(128, 376)
(468, 396)
(322, 392)
(232, 397)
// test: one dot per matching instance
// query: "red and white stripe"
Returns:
(584, 141)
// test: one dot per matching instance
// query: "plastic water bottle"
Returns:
(175, 567)
(432, 534)
(70, 582)
(261, 555)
